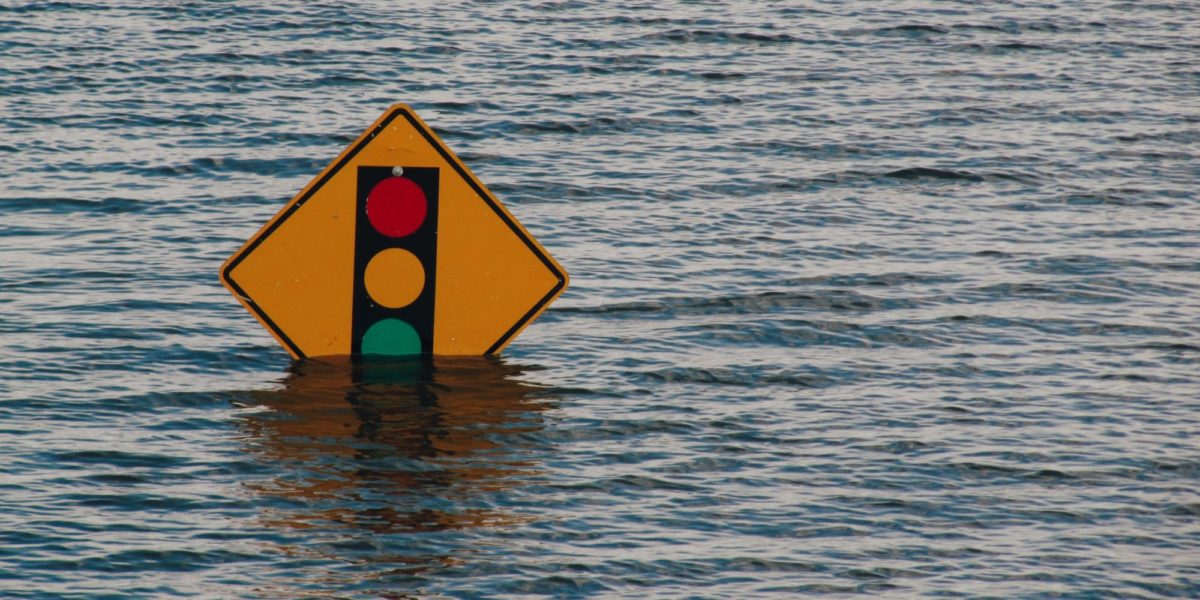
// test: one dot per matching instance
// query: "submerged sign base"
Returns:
(394, 249)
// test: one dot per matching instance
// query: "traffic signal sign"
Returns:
(395, 248)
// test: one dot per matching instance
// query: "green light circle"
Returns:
(391, 337)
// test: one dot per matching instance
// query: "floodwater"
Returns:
(897, 298)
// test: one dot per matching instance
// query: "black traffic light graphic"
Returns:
(395, 261)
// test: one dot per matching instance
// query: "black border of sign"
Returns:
(458, 168)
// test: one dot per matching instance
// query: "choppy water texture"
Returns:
(868, 297)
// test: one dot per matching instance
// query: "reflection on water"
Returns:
(393, 463)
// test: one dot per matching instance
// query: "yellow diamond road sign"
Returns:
(394, 249)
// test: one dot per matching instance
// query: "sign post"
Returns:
(394, 249)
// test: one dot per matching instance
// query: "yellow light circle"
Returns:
(394, 278)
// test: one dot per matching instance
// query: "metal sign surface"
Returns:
(395, 248)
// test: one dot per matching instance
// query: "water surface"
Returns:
(890, 298)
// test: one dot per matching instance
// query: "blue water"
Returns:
(896, 298)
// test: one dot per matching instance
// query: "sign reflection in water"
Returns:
(387, 469)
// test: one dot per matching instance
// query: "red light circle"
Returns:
(396, 206)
